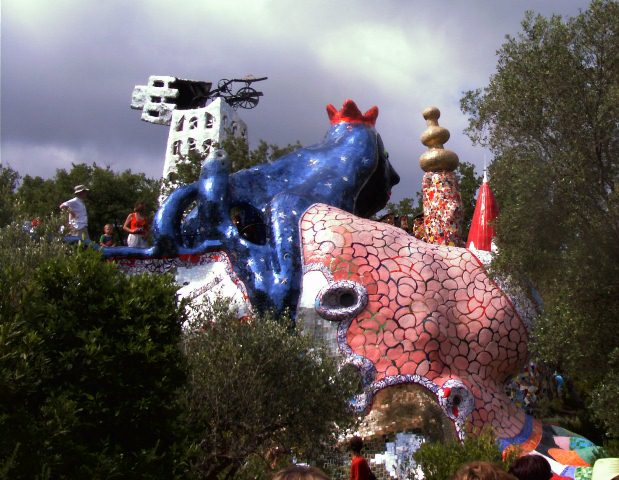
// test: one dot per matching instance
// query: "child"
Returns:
(359, 467)
(107, 239)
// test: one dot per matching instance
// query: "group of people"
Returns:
(526, 467)
(136, 225)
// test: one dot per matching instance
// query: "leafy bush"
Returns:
(89, 367)
(8, 183)
(255, 387)
(440, 461)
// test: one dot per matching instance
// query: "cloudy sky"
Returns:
(68, 68)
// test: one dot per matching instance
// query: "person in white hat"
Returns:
(78, 216)
(605, 469)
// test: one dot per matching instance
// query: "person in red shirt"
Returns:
(136, 226)
(359, 468)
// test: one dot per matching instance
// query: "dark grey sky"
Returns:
(68, 68)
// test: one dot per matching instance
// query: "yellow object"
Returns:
(436, 159)
(605, 469)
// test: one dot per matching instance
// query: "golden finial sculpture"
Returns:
(434, 137)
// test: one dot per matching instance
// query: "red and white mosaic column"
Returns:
(442, 203)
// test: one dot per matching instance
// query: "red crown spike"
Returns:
(332, 112)
(350, 113)
(371, 115)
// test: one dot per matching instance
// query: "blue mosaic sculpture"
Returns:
(254, 214)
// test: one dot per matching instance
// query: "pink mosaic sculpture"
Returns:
(409, 312)
(402, 310)
(432, 313)
(424, 312)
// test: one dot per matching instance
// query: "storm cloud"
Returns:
(69, 67)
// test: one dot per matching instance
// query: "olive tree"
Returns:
(255, 387)
(550, 115)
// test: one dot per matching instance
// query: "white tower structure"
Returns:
(197, 130)
(194, 125)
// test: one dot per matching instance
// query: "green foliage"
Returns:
(405, 207)
(469, 184)
(89, 366)
(241, 157)
(8, 183)
(604, 398)
(550, 114)
(187, 171)
(255, 386)
(440, 461)
(111, 198)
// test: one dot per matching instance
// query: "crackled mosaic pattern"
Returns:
(432, 312)
(442, 209)
(408, 312)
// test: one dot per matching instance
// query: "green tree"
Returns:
(255, 386)
(8, 183)
(241, 157)
(111, 198)
(405, 207)
(263, 153)
(89, 366)
(550, 115)
(469, 184)
(440, 461)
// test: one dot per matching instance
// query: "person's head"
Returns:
(482, 471)
(81, 191)
(531, 467)
(300, 472)
(108, 229)
(356, 444)
(139, 207)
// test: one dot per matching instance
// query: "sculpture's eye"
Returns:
(456, 400)
(249, 223)
(341, 300)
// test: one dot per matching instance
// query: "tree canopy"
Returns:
(256, 388)
(550, 115)
(9, 179)
(111, 198)
(90, 364)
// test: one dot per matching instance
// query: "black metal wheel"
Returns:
(246, 97)
(224, 86)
